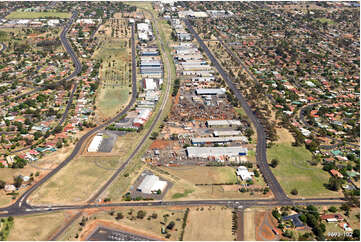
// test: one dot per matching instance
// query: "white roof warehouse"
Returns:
(151, 184)
(219, 139)
(205, 152)
(94, 145)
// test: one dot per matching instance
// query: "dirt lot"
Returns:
(249, 225)
(264, 223)
(218, 222)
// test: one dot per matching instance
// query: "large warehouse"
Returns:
(205, 152)
(223, 123)
(151, 184)
(219, 140)
(94, 145)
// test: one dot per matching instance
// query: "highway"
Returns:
(261, 148)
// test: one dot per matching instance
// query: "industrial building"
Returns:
(219, 140)
(149, 84)
(151, 184)
(205, 152)
(95, 144)
(210, 91)
(218, 133)
(243, 172)
(223, 123)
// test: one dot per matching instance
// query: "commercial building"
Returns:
(223, 123)
(218, 152)
(151, 184)
(244, 174)
(95, 144)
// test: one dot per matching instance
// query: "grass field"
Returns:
(76, 182)
(3, 35)
(112, 100)
(294, 172)
(324, 20)
(36, 227)
(212, 224)
(31, 15)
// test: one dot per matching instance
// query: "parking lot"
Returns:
(105, 234)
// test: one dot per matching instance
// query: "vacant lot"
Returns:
(28, 15)
(293, 171)
(184, 181)
(204, 174)
(112, 100)
(249, 224)
(36, 227)
(209, 223)
(77, 181)
(130, 222)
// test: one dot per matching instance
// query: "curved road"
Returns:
(261, 137)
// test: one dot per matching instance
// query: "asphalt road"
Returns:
(230, 203)
(261, 136)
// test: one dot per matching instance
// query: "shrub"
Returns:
(141, 214)
(294, 191)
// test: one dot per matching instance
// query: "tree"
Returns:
(334, 184)
(119, 216)
(356, 234)
(18, 180)
(2, 184)
(294, 191)
(141, 214)
(154, 135)
(170, 225)
(274, 163)
(332, 209)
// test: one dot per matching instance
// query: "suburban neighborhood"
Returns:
(180, 120)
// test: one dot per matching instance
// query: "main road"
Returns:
(261, 137)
